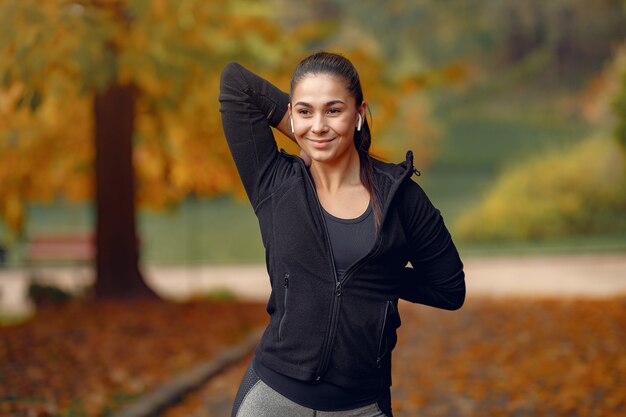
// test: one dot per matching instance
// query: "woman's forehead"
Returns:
(314, 88)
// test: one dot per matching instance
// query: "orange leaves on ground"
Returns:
(513, 357)
(510, 357)
(88, 358)
(506, 357)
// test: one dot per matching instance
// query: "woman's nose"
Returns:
(319, 124)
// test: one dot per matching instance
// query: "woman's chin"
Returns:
(321, 157)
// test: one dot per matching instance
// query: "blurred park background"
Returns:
(110, 131)
(516, 114)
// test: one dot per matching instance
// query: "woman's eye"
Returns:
(334, 111)
(303, 112)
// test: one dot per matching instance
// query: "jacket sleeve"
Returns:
(436, 276)
(249, 106)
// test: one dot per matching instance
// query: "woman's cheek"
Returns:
(300, 128)
(344, 127)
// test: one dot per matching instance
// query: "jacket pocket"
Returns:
(284, 316)
(387, 336)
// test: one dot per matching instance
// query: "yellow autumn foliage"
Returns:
(565, 192)
(46, 153)
(54, 59)
(57, 56)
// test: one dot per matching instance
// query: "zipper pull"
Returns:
(338, 289)
(287, 280)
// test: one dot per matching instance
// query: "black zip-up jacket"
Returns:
(322, 328)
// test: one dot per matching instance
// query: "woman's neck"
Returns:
(332, 176)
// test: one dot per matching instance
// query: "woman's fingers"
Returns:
(305, 156)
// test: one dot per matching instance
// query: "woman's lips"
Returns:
(320, 143)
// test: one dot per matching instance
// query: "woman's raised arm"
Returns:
(250, 106)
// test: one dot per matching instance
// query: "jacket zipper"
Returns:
(282, 320)
(330, 336)
(336, 300)
(379, 354)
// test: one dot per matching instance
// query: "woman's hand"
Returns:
(285, 128)
(305, 156)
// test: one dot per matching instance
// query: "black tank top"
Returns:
(350, 240)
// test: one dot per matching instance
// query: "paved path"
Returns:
(566, 275)
(596, 276)
(572, 275)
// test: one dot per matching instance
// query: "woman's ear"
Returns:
(363, 110)
(361, 117)
(290, 118)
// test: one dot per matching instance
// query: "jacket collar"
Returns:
(387, 176)
(396, 172)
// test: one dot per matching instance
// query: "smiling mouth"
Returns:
(321, 140)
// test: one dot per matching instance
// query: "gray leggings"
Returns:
(257, 399)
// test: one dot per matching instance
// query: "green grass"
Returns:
(481, 142)
(588, 244)
(476, 148)
(197, 231)
(221, 230)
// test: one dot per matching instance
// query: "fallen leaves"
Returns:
(87, 359)
(494, 357)
(513, 357)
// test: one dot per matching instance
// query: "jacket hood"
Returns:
(389, 176)
(396, 171)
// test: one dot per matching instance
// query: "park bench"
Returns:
(59, 264)
(60, 249)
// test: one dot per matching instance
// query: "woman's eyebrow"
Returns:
(327, 104)
(333, 102)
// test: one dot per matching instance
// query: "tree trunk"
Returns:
(117, 245)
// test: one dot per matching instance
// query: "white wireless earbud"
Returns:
(291, 122)
(359, 122)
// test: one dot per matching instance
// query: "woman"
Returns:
(338, 232)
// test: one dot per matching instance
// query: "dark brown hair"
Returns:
(339, 66)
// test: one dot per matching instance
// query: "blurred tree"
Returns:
(139, 77)
(422, 34)
(574, 37)
(126, 91)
